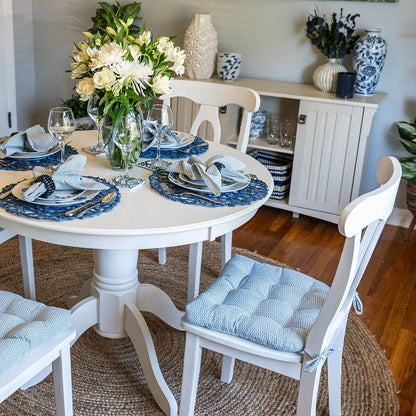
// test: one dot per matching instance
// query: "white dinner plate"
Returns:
(202, 188)
(35, 155)
(185, 140)
(58, 198)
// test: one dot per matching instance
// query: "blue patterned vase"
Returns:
(368, 60)
(228, 65)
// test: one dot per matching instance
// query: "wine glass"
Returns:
(61, 125)
(128, 136)
(94, 112)
(160, 122)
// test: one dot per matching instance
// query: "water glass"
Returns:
(61, 124)
(273, 128)
(287, 133)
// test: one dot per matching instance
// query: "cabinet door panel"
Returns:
(325, 155)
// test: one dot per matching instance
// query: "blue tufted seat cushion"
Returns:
(24, 324)
(270, 305)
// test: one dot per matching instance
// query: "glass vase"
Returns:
(114, 155)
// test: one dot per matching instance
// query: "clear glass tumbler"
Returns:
(273, 128)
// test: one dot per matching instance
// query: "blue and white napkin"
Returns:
(214, 171)
(149, 139)
(67, 176)
(33, 139)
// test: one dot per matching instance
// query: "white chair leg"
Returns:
(191, 369)
(162, 255)
(308, 392)
(226, 244)
(194, 270)
(62, 383)
(334, 363)
(227, 369)
(334, 383)
(26, 260)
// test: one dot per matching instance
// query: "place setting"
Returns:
(218, 181)
(35, 147)
(60, 194)
(161, 142)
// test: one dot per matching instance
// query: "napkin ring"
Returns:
(48, 182)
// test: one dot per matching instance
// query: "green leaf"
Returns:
(407, 130)
(409, 145)
(408, 168)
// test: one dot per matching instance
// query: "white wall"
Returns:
(269, 33)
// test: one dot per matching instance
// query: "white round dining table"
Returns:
(113, 299)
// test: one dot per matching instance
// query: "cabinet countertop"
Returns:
(299, 91)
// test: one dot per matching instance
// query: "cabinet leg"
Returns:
(295, 214)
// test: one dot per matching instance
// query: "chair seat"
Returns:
(24, 324)
(270, 305)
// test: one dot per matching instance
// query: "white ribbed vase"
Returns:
(325, 76)
(200, 45)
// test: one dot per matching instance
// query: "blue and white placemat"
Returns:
(26, 209)
(180, 153)
(255, 191)
(29, 164)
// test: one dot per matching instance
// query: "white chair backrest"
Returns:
(211, 96)
(368, 212)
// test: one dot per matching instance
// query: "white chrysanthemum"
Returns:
(136, 73)
(109, 54)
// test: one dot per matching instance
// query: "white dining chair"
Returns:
(283, 320)
(26, 261)
(211, 97)
(34, 336)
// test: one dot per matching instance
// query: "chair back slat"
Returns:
(362, 222)
(211, 96)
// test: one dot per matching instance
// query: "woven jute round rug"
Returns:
(107, 378)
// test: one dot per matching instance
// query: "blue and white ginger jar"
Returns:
(368, 60)
(228, 65)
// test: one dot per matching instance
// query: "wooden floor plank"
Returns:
(388, 287)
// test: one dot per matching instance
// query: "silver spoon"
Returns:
(80, 211)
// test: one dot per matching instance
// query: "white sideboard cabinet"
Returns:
(330, 150)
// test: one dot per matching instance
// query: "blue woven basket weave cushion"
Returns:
(24, 324)
(270, 305)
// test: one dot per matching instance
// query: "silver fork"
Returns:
(172, 192)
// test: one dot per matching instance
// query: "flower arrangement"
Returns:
(407, 133)
(334, 39)
(123, 64)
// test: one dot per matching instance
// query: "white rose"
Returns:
(135, 51)
(161, 85)
(85, 88)
(104, 78)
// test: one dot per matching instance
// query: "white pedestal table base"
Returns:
(112, 302)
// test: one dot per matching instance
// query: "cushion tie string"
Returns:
(357, 304)
(317, 359)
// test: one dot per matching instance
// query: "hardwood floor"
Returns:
(387, 290)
